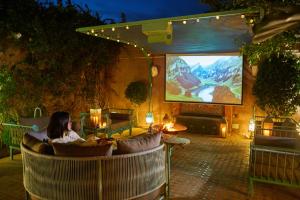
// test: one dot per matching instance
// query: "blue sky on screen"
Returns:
(202, 60)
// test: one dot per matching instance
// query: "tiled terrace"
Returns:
(208, 168)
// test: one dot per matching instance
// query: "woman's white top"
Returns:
(69, 136)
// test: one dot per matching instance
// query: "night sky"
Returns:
(143, 9)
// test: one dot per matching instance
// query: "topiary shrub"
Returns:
(136, 92)
(277, 86)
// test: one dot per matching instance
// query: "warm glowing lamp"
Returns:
(95, 117)
(251, 128)
(223, 128)
(267, 126)
(149, 118)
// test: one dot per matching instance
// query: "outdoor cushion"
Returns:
(119, 124)
(139, 143)
(42, 135)
(37, 145)
(40, 123)
(82, 149)
(275, 141)
(119, 116)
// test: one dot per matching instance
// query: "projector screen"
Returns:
(197, 78)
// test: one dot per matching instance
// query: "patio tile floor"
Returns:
(216, 168)
(208, 168)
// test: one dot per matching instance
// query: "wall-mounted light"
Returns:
(184, 22)
(154, 71)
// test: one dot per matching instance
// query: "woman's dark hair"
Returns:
(58, 124)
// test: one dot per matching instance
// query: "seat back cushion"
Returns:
(36, 145)
(41, 123)
(138, 143)
(82, 149)
(275, 141)
(119, 116)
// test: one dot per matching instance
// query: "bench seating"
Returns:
(117, 120)
(275, 158)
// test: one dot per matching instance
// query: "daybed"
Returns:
(128, 176)
(275, 158)
(117, 120)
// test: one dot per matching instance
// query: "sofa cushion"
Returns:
(37, 145)
(40, 123)
(275, 141)
(83, 149)
(119, 116)
(138, 143)
(119, 124)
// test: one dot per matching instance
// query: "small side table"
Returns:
(170, 141)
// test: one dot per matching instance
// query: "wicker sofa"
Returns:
(275, 158)
(128, 176)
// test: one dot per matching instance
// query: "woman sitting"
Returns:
(59, 129)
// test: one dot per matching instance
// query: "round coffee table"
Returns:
(174, 130)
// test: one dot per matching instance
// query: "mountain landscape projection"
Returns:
(209, 79)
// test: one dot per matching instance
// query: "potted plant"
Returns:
(136, 93)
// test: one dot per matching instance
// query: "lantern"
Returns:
(149, 118)
(95, 117)
(267, 126)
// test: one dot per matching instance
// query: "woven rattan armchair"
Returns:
(129, 176)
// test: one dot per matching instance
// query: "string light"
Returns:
(251, 21)
(170, 23)
(118, 40)
(102, 30)
(128, 43)
(242, 16)
(135, 45)
(217, 17)
(107, 38)
(148, 54)
(127, 27)
(113, 29)
(184, 22)
(96, 34)
(92, 31)
(88, 33)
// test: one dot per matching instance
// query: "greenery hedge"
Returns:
(51, 65)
